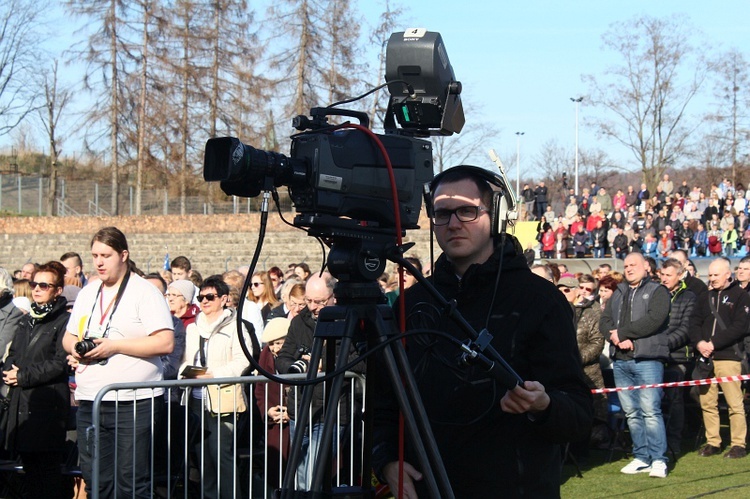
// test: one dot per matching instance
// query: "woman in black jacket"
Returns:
(37, 373)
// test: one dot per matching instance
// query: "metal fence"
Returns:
(179, 456)
(26, 195)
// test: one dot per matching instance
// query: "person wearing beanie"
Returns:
(180, 295)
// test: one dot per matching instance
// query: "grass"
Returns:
(690, 476)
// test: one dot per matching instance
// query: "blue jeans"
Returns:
(124, 447)
(309, 454)
(598, 252)
(643, 407)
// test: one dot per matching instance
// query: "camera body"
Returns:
(300, 365)
(84, 346)
(334, 172)
(337, 175)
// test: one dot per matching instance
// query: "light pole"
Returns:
(577, 102)
(518, 165)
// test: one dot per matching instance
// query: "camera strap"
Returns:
(112, 305)
(201, 351)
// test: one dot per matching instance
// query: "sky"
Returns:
(521, 62)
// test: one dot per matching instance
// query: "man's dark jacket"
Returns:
(639, 314)
(732, 305)
(678, 332)
(487, 452)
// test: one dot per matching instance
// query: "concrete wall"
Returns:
(213, 243)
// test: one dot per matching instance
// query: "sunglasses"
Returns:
(588, 290)
(42, 285)
(256, 284)
(209, 297)
(565, 290)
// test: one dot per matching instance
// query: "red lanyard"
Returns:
(101, 305)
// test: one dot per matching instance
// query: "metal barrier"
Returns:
(178, 456)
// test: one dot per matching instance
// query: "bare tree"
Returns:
(104, 56)
(227, 41)
(388, 23)
(732, 116)
(19, 60)
(645, 95)
(56, 100)
(342, 31)
(299, 65)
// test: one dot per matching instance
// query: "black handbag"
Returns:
(704, 368)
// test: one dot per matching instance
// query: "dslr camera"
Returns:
(300, 365)
(84, 346)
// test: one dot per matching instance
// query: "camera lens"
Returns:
(298, 367)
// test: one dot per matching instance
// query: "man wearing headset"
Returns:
(492, 440)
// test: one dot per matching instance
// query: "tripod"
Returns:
(360, 315)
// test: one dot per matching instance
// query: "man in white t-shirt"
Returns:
(117, 332)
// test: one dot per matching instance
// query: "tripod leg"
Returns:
(300, 419)
(411, 406)
(323, 461)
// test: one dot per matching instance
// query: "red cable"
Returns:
(402, 312)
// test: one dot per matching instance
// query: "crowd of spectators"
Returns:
(670, 224)
(705, 324)
(599, 222)
(274, 296)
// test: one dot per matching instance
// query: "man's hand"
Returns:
(625, 345)
(531, 397)
(706, 348)
(105, 348)
(277, 414)
(390, 471)
(613, 338)
(11, 377)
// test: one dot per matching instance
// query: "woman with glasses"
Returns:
(293, 300)
(37, 372)
(212, 343)
(263, 293)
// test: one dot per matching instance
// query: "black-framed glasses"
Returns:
(468, 213)
(208, 296)
(44, 286)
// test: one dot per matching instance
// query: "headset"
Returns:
(503, 209)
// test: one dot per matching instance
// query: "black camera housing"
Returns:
(84, 346)
(336, 172)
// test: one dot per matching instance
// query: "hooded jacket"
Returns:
(486, 451)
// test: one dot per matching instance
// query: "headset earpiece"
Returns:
(502, 204)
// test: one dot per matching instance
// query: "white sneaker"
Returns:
(658, 469)
(636, 466)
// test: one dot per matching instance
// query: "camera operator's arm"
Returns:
(555, 398)
(531, 398)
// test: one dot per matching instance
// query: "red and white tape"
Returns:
(692, 382)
